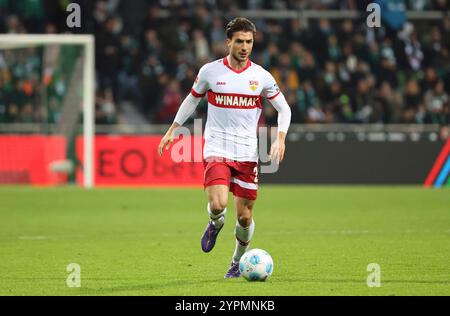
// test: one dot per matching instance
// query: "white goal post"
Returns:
(11, 41)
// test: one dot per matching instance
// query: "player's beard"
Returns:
(239, 58)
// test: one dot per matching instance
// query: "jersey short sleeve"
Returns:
(270, 88)
(200, 86)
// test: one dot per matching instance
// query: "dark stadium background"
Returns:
(370, 88)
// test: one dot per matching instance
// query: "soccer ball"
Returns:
(256, 265)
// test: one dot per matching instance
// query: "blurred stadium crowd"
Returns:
(149, 52)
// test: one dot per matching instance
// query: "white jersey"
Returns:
(234, 107)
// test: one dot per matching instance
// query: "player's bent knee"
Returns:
(218, 205)
(245, 220)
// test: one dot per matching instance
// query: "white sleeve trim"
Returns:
(284, 112)
(186, 109)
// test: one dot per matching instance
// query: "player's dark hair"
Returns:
(238, 25)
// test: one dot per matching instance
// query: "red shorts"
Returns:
(240, 177)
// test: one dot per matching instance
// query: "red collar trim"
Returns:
(225, 62)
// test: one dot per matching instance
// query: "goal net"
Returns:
(47, 91)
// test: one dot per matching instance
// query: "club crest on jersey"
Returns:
(253, 85)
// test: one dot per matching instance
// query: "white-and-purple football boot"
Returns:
(210, 236)
(233, 271)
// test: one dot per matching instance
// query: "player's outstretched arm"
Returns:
(284, 120)
(184, 112)
(278, 148)
(167, 139)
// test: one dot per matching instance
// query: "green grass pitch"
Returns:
(147, 241)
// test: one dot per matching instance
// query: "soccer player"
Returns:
(234, 86)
